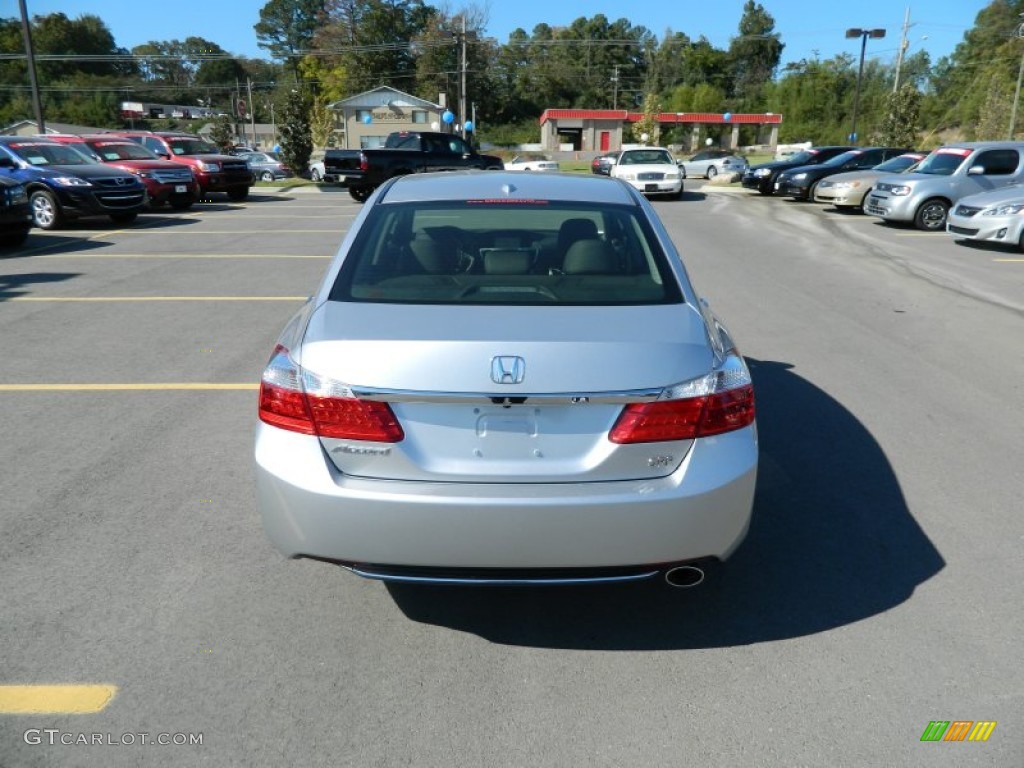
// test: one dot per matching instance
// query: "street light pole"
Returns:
(863, 34)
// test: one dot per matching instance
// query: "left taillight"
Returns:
(721, 401)
(300, 401)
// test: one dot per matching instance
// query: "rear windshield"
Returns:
(485, 252)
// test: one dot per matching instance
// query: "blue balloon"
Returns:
(727, 116)
(277, 147)
(447, 117)
(367, 119)
(469, 126)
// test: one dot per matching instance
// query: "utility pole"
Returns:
(615, 88)
(904, 44)
(462, 87)
(37, 103)
(252, 112)
(1020, 75)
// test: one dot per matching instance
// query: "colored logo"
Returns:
(958, 730)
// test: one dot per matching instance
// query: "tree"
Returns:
(900, 126)
(321, 123)
(648, 124)
(294, 130)
(223, 133)
(754, 54)
(286, 29)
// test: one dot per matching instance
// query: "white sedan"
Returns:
(651, 170)
(531, 163)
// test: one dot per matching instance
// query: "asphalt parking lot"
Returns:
(879, 589)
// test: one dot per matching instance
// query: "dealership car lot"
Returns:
(879, 584)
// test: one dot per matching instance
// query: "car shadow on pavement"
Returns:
(832, 542)
(10, 284)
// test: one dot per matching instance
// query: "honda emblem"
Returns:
(508, 369)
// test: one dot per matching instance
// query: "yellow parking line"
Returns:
(55, 699)
(156, 298)
(190, 386)
(180, 256)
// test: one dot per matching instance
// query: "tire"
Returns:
(765, 188)
(712, 172)
(931, 215)
(360, 194)
(180, 205)
(314, 175)
(812, 192)
(46, 212)
(124, 218)
(14, 237)
(682, 171)
(238, 193)
(266, 176)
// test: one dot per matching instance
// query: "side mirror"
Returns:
(976, 170)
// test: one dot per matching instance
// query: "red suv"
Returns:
(214, 171)
(166, 182)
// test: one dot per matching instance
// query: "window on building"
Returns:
(362, 114)
(371, 142)
(420, 116)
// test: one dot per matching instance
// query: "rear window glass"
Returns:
(487, 252)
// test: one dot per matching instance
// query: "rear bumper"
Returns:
(221, 182)
(160, 192)
(309, 509)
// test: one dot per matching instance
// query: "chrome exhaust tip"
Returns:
(684, 576)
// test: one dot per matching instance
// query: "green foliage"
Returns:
(648, 124)
(294, 132)
(321, 120)
(286, 29)
(900, 126)
(223, 132)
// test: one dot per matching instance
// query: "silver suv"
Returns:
(947, 174)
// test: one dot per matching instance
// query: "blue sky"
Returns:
(806, 27)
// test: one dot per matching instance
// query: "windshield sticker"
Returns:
(953, 151)
(506, 201)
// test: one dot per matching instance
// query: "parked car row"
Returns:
(117, 174)
(972, 190)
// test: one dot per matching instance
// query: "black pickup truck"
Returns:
(404, 152)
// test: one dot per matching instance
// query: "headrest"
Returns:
(589, 257)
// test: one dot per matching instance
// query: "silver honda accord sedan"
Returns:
(507, 378)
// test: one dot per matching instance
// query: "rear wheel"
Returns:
(360, 194)
(812, 192)
(931, 216)
(266, 176)
(314, 175)
(238, 193)
(764, 188)
(712, 172)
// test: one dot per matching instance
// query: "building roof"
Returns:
(758, 118)
(51, 127)
(384, 96)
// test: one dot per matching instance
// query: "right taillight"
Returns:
(300, 401)
(721, 401)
